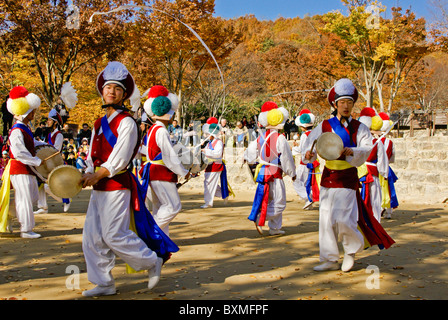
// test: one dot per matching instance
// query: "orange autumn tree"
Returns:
(58, 51)
(164, 51)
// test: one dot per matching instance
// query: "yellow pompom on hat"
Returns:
(377, 123)
(273, 117)
(21, 102)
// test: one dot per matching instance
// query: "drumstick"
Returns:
(312, 147)
(51, 156)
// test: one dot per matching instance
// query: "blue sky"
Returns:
(272, 9)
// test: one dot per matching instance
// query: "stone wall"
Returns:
(421, 164)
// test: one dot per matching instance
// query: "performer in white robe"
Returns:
(107, 231)
(376, 165)
(307, 182)
(275, 158)
(341, 210)
(389, 194)
(163, 165)
(215, 176)
(56, 139)
(19, 172)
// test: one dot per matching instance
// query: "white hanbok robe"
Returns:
(338, 210)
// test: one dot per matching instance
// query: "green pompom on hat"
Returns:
(161, 106)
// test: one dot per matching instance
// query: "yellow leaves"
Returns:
(387, 52)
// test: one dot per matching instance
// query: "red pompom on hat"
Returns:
(384, 116)
(368, 112)
(18, 92)
(212, 120)
(158, 91)
(304, 111)
(268, 106)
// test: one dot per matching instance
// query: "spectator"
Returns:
(71, 160)
(7, 118)
(226, 134)
(85, 132)
(240, 134)
(4, 162)
(175, 132)
(62, 110)
(71, 142)
(244, 122)
(81, 162)
(67, 133)
(41, 131)
(85, 145)
(287, 129)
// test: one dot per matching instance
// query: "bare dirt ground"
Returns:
(222, 257)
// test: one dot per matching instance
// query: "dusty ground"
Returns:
(222, 257)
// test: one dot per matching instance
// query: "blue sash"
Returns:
(393, 194)
(341, 131)
(145, 174)
(146, 227)
(107, 132)
(23, 127)
(308, 184)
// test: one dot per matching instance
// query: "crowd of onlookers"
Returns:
(75, 147)
(239, 136)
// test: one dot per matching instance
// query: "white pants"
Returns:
(107, 235)
(42, 200)
(25, 194)
(212, 187)
(338, 218)
(376, 197)
(300, 182)
(277, 204)
(165, 203)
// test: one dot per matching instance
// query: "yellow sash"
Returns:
(362, 171)
(385, 195)
(5, 195)
(338, 165)
(159, 162)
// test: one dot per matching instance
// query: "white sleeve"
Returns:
(383, 160)
(59, 141)
(216, 153)
(169, 156)
(364, 147)
(286, 158)
(251, 153)
(123, 150)
(19, 150)
(314, 135)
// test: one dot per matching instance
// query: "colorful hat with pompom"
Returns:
(272, 116)
(161, 104)
(305, 119)
(211, 120)
(387, 123)
(343, 89)
(116, 73)
(21, 102)
(214, 129)
(55, 116)
(371, 119)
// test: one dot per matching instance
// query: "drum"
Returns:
(64, 181)
(329, 146)
(44, 152)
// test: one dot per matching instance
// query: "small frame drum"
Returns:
(329, 146)
(64, 181)
(45, 152)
